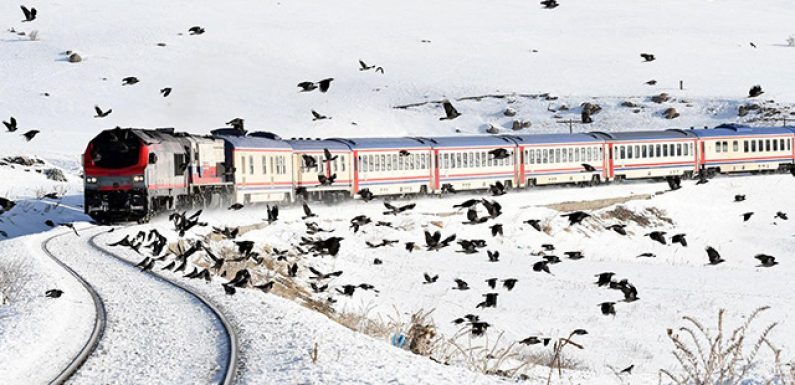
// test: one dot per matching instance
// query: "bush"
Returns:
(13, 279)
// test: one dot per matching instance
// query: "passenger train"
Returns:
(131, 174)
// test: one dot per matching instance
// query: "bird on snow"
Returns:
(430, 279)
(497, 189)
(747, 216)
(680, 239)
(494, 256)
(781, 215)
(550, 4)
(627, 370)
(739, 198)
(576, 217)
(53, 293)
(535, 223)
(491, 301)
(460, 284)
(472, 217)
(766, 260)
(236, 206)
(496, 229)
(509, 283)
(541, 266)
(467, 204)
(618, 229)
(647, 255)
(658, 236)
(651, 82)
(604, 279)
(574, 255)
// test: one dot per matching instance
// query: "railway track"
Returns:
(227, 358)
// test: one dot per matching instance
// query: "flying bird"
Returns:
(680, 239)
(11, 124)
(647, 57)
(739, 198)
(430, 279)
(395, 210)
(781, 215)
(30, 14)
(608, 308)
(604, 279)
(130, 80)
(550, 4)
(496, 229)
(318, 116)
(627, 370)
(499, 154)
(308, 212)
(535, 223)
(236, 206)
(509, 283)
(620, 229)
(460, 284)
(100, 113)
(658, 236)
(494, 256)
(574, 255)
(165, 91)
(755, 91)
(449, 111)
(576, 217)
(747, 216)
(766, 260)
(30, 135)
(651, 82)
(714, 256)
(363, 66)
(53, 293)
(195, 30)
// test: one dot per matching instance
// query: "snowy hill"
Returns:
(253, 54)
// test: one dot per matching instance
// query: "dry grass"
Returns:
(595, 204)
(13, 279)
(722, 356)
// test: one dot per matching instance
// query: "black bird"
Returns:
(766, 260)
(499, 153)
(628, 369)
(52, 195)
(365, 194)
(410, 246)
(53, 293)
(358, 221)
(347, 290)
(548, 247)
(11, 124)
(747, 216)
(130, 80)
(550, 4)
(449, 111)
(327, 157)
(647, 57)
(195, 30)
(680, 239)
(647, 255)
(702, 178)
(429, 279)
(236, 206)
(325, 84)
(491, 301)
(404, 153)
(30, 135)
(492, 282)
(755, 91)
(509, 283)
(434, 242)
(608, 308)
(494, 256)
(448, 188)
(379, 69)
(739, 198)
(541, 266)
(714, 256)
(318, 289)
(496, 229)
(308, 212)
(781, 215)
(363, 66)
(49, 223)
(292, 271)
(535, 223)
(393, 210)
(307, 86)
(534, 340)
(630, 292)
(165, 91)
(6, 204)
(467, 247)
(467, 204)
(618, 228)
(651, 82)
(318, 275)
(460, 284)
(658, 236)
(100, 113)
(587, 167)
(273, 213)
(752, 44)
(493, 208)
(604, 279)
(552, 259)
(309, 161)
(479, 328)
(576, 217)
(30, 14)
(574, 255)
(497, 189)
(266, 287)
(237, 124)
(318, 116)
(228, 289)
(472, 217)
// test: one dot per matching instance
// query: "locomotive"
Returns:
(132, 174)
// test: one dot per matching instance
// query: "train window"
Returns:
(271, 162)
(467, 159)
(775, 145)
(665, 150)
(753, 146)
(622, 152)
(599, 152)
(588, 154)
(686, 149)
(789, 144)
(637, 152)
(544, 156)
(377, 163)
(745, 146)
(250, 165)
(425, 159)
(557, 156)
(679, 149)
(389, 165)
(781, 144)
(671, 149)
(735, 146)
(342, 162)
(394, 161)
(530, 157)
(717, 147)
(657, 151)
(264, 166)
(767, 145)
(725, 146)
(761, 145)
(383, 163)
(459, 162)
(446, 161)
(629, 152)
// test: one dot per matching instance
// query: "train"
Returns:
(132, 174)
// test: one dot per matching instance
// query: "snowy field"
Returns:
(541, 63)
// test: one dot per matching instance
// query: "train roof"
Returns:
(739, 130)
(396, 143)
(556, 138)
(471, 141)
(644, 135)
(316, 144)
(158, 135)
(249, 141)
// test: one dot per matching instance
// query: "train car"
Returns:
(561, 159)
(391, 166)
(131, 174)
(464, 162)
(735, 148)
(310, 166)
(650, 154)
(260, 166)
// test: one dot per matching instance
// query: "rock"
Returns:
(636, 111)
(55, 174)
(563, 107)
(585, 117)
(661, 98)
(520, 124)
(509, 112)
(591, 108)
(75, 58)
(629, 104)
(23, 160)
(493, 129)
(671, 113)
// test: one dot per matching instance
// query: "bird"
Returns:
(237, 124)
(587, 167)
(541, 266)
(752, 44)
(363, 66)
(228, 289)
(30, 14)
(394, 210)
(608, 308)
(576, 217)
(499, 154)
(747, 216)
(781, 215)
(266, 287)
(307, 86)
(490, 301)
(628, 369)
(273, 213)
(317, 275)
(739, 198)
(53, 293)
(325, 84)
(100, 113)
(434, 241)
(496, 229)
(651, 82)
(460, 284)
(165, 91)
(533, 340)
(318, 116)
(492, 207)
(658, 236)
(236, 206)
(472, 217)
(130, 80)
(509, 283)
(574, 255)
(550, 4)
(618, 229)
(309, 161)
(714, 256)
(548, 247)
(404, 153)
(449, 111)
(11, 124)
(308, 212)
(30, 135)
(535, 223)
(410, 246)
(327, 157)
(497, 189)
(647, 57)
(379, 69)
(494, 256)
(604, 279)
(680, 239)
(755, 91)
(326, 180)
(365, 194)
(466, 204)
(647, 255)
(196, 30)
(430, 279)
(492, 282)
(766, 260)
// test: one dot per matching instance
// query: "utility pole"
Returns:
(570, 122)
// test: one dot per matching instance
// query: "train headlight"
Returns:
(91, 179)
(138, 178)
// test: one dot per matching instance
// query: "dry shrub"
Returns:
(722, 356)
(13, 279)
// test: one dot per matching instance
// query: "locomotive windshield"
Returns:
(115, 149)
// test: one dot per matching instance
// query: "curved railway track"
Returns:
(229, 363)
